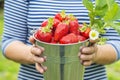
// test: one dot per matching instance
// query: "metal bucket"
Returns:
(62, 61)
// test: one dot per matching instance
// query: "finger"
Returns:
(32, 40)
(88, 50)
(41, 48)
(37, 50)
(92, 42)
(86, 63)
(40, 68)
(39, 59)
(79, 53)
(86, 57)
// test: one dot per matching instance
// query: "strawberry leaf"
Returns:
(113, 13)
(88, 4)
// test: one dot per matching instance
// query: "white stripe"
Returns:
(16, 12)
(95, 72)
(92, 69)
(29, 72)
(16, 3)
(57, 1)
(34, 77)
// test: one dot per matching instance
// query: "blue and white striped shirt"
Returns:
(23, 16)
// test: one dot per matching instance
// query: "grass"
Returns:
(9, 69)
(1, 21)
(113, 71)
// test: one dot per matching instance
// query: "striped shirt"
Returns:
(23, 16)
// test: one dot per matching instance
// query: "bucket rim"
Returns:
(59, 44)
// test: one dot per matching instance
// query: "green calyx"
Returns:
(49, 26)
(63, 14)
(72, 17)
(84, 27)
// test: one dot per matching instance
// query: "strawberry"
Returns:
(60, 16)
(56, 22)
(70, 38)
(70, 17)
(53, 41)
(81, 38)
(44, 34)
(61, 30)
(86, 32)
(74, 25)
(36, 34)
(44, 23)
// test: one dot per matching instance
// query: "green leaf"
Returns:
(116, 26)
(109, 3)
(112, 13)
(91, 16)
(101, 12)
(117, 16)
(88, 4)
(98, 25)
(100, 4)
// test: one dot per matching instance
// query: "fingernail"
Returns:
(45, 68)
(81, 49)
(42, 60)
(42, 71)
(80, 56)
(42, 48)
(45, 58)
(81, 62)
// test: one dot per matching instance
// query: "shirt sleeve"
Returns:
(116, 46)
(15, 22)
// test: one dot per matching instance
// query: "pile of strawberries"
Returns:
(62, 29)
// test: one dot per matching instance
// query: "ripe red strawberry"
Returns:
(70, 38)
(61, 30)
(44, 36)
(74, 25)
(60, 16)
(36, 34)
(44, 23)
(53, 41)
(70, 17)
(81, 38)
(56, 22)
(86, 32)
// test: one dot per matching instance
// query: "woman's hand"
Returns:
(38, 58)
(87, 55)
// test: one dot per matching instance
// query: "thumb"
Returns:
(32, 40)
(92, 42)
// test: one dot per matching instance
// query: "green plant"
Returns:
(103, 14)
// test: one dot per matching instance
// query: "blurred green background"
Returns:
(9, 69)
